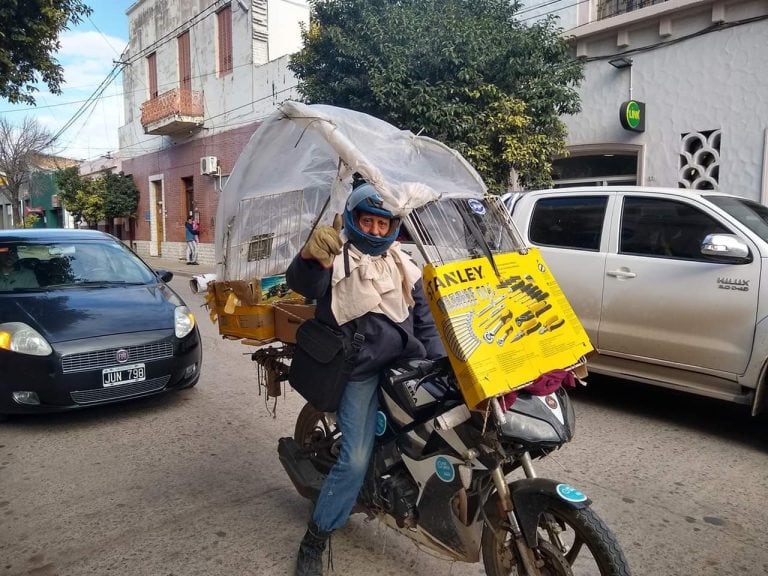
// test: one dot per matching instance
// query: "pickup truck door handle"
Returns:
(621, 273)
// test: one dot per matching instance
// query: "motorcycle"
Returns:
(449, 446)
(441, 475)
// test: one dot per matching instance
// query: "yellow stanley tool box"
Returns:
(503, 330)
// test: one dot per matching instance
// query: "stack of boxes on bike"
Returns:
(259, 311)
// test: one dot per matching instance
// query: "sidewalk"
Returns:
(178, 266)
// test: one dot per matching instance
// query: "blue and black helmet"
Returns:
(364, 198)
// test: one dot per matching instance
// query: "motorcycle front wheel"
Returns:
(587, 543)
(580, 537)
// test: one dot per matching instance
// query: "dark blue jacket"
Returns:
(385, 340)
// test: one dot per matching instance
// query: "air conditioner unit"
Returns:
(209, 165)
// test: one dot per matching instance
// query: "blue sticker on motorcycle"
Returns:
(570, 494)
(381, 423)
(444, 469)
(476, 206)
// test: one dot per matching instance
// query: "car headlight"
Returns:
(22, 338)
(183, 321)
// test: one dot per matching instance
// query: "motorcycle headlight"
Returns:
(183, 321)
(22, 338)
(527, 429)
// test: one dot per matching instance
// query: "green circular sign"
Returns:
(633, 114)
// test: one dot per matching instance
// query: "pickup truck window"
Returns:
(665, 228)
(753, 215)
(569, 222)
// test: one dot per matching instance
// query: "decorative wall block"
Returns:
(700, 160)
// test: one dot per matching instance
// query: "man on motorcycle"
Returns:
(376, 285)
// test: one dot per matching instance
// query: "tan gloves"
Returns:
(324, 243)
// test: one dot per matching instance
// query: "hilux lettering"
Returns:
(733, 284)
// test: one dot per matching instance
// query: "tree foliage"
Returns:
(95, 199)
(29, 36)
(466, 72)
(19, 146)
(121, 196)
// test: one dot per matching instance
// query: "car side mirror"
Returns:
(726, 248)
(164, 275)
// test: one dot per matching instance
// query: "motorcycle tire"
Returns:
(587, 543)
(317, 430)
(500, 560)
(590, 548)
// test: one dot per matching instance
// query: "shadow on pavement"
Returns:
(708, 415)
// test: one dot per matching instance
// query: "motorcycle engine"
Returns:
(398, 493)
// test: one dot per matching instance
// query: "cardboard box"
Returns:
(254, 322)
(502, 331)
(235, 317)
(288, 318)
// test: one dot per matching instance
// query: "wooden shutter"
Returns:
(152, 74)
(185, 63)
(224, 20)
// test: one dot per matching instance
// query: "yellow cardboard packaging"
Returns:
(502, 331)
(238, 314)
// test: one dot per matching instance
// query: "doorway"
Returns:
(597, 168)
(157, 222)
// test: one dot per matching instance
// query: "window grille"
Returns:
(608, 8)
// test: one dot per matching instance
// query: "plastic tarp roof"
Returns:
(299, 164)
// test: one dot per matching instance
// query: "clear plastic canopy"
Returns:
(298, 167)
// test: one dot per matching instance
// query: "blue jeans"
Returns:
(356, 418)
(191, 251)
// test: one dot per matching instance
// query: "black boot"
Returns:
(310, 558)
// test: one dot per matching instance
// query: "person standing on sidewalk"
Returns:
(191, 237)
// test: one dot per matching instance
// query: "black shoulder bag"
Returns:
(324, 357)
(323, 360)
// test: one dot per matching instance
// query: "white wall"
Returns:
(248, 94)
(717, 80)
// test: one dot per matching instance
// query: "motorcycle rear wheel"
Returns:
(314, 427)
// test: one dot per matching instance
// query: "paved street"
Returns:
(190, 484)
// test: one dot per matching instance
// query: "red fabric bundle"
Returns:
(543, 385)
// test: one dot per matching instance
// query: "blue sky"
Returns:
(87, 54)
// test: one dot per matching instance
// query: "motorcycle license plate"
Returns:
(123, 375)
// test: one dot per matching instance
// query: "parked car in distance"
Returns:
(670, 284)
(84, 321)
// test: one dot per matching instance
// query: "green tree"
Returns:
(29, 36)
(95, 199)
(466, 72)
(121, 196)
(82, 197)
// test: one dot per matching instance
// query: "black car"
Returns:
(84, 321)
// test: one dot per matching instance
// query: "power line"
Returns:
(91, 100)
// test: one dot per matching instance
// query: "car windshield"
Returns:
(36, 266)
(753, 215)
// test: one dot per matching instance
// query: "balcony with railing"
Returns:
(172, 112)
(608, 8)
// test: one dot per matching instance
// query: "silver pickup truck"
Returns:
(670, 284)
